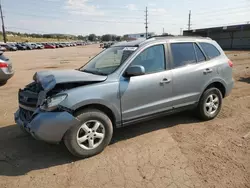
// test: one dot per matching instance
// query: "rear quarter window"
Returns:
(210, 50)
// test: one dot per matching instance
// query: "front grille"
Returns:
(25, 115)
(29, 95)
(28, 98)
(34, 87)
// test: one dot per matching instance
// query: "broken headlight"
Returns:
(52, 103)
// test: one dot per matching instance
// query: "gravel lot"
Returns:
(175, 151)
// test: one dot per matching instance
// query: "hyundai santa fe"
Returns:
(125, 84)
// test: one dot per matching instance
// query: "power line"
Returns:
(103, 21)
(94, 21)
(23, 29)
(223, 24)
(156, 21)
(163, 21)
(104, 7)
(212, 11)
(212, 17)
(102, 16)
(125, 8)
(76, 21)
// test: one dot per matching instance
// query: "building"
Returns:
(139, 35)
(229, 37)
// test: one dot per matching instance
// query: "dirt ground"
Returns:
(171, 152)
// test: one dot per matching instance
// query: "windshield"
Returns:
(108, 61)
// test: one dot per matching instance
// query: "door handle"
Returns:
(206, 71)
(165, 81)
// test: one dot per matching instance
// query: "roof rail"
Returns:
(158, 36)
(177, 36)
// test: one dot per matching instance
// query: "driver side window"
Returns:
(152, 59)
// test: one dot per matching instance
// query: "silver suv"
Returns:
(125, 84)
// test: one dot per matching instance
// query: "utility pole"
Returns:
(163, 31)
(181, 31)
(4, 34)
(146, 24)
(189, 20)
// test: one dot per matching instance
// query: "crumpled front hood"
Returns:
(49, 79)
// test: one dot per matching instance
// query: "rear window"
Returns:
(210, 50)
(183, 54)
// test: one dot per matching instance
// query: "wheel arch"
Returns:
(217, 84)
(103, 108)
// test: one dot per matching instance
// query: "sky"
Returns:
(83, 17)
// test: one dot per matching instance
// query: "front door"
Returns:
(147, 94)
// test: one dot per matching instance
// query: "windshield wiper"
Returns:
(94, 72)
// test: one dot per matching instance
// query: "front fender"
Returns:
(102, 102)
(95, 94)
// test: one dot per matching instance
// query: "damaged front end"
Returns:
(43, 122)
(39, 111)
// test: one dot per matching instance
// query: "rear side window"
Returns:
(183, 54)
(200, 55)
(210, 50)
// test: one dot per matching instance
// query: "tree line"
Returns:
(90, 37)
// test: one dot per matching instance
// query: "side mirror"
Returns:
(135, 70)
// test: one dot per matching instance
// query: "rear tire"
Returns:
(91, 136)
(210, 104)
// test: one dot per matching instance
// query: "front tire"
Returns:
(210, 104)
(91, 136)
(24, 131)
(3, 82)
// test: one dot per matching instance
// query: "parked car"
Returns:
(49, 46)
(79, 43)
(61, 45)
(107, 44)
(33, 45)
(28, 46)
(142, 80)
(21, 47)
(36, 46)
(2, 49)
(6, 71)
(67, 44)
(9, 47)
(39, 46)
(55, 44)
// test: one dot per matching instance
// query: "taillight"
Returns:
(3, 65)
(230, 63)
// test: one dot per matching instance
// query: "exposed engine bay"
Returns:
(34, 94)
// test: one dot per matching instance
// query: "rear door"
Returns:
(216, 62)
(187, 73)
